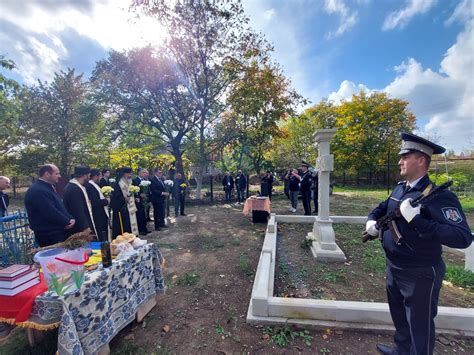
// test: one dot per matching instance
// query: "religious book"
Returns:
(19, 288)
(12, 282)
(13, 270)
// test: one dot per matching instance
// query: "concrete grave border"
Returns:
(265, 308)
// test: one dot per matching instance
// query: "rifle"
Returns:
(388, 221)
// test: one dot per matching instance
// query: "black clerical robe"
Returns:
(76, 204)
(101, 218)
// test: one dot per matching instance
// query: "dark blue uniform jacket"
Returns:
(45, 209)
(441, 222)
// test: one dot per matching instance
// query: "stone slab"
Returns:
(320, 254)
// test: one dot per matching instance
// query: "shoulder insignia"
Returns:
(452, 214)
(401, 182)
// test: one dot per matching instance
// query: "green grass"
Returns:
(188, 279)
(379, 193)
(460, 277)
(467, 204)
(235, 242)
(17, 343)
(245, 266)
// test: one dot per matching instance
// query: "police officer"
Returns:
(305, 188)
(415, 268)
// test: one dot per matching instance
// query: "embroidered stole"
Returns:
(88, 202)
(132, 208)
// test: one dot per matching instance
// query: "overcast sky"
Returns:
(417, 50)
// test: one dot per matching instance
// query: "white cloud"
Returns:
(400, 18)
(346, 90)
(108, 22)
(347, 19)
(269, 14)
(462, 13)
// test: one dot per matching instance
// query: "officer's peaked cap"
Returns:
(412, 143)
(303, 163)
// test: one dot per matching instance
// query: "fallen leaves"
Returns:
(166, 328)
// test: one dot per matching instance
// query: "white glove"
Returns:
(371, 228)
(409, 212)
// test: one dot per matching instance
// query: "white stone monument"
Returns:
(324, 247)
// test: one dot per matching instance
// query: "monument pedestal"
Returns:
(324, 248)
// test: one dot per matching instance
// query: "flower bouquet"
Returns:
(111, 180)
(134, 189)
(182, 188)
(169, 185)
(107, 190)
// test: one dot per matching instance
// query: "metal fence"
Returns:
(16, 239)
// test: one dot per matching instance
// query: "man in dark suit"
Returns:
(228, 184)
(305, 188)
(158, 197)
(104, 180)
(4, 200)
(47, 215)
(241, 185)
(268, 179)
(77, 201)
(100, 209)
(140, 200)
(179, 194)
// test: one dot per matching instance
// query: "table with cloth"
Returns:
(259, 207)
(108, 300)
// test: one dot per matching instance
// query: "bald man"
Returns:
(4, 200)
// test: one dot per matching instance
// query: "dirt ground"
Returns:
(211, 256)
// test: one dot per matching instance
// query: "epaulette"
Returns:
(401, 182)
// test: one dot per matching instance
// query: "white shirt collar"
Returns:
(414, 182)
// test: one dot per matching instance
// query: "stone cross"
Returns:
(325, 247)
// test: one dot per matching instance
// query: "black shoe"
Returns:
(157, 228)
(144, 232)
(385, 349)
(164, 226)
(183, 214)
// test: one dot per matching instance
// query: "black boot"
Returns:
(385, 349)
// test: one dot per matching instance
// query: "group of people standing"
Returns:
(239, 183)
(106, 212)
(301, 181)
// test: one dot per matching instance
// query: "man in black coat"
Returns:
(268, 180)
(77, 201)
(140, 200)
(241, 185)
(104, 180)
(4, 200)
(100, 209)
(228, 184)
(305, 188)
(179, 194)
(47, 215)
(158, 198)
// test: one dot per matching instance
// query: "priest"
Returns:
(77, 201)
(123, 205)
(100, 209)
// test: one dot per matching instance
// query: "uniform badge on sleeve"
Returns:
(452, 214)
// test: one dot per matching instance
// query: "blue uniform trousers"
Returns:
(413, 300)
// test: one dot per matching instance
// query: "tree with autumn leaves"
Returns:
(368, 133)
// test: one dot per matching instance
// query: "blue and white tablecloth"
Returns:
(105, 304)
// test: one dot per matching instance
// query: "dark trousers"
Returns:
(413, 301)
(240, 195)
(228, 195)
(179, 204)
(306, 196)
(159, 214)
(49, 238)
(141, 217)
(315, 199)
